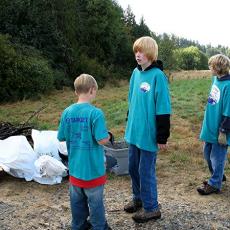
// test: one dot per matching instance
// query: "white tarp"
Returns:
(17, 157)
(45, 143)
(49, 170)
(41, 164)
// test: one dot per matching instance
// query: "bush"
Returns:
(190, 58)
(94, 68)
(22, 75)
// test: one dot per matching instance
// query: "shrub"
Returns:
(22, 75)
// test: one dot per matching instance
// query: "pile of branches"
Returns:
(7, 129)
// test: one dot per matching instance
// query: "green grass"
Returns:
(179, 158)
(189, 98)
(188, 102)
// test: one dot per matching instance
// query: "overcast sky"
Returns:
(207, 21)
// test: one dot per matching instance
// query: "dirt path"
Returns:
(29, 205)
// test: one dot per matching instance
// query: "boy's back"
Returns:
(82, 125)
(83, 128)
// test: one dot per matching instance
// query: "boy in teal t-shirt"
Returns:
(83, 128)
(215, 130)
(147, 128)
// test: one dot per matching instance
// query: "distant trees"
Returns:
(167, 46)
(190, 58)
(46, 43)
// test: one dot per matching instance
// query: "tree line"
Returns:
(44, 44)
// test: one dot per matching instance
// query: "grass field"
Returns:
(188, 96)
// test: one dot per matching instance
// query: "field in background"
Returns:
(189, 96)
(189, 74)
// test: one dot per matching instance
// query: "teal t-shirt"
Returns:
(81, 126)
(148, 97)
(218, 105)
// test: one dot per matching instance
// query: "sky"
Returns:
(205, 21)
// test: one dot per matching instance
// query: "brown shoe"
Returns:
(133, 206)
(207, 189)
(142, 216)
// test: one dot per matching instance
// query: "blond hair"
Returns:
(148, 46)
(220, 64)
(84, 82)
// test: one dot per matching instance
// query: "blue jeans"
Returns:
(87, 203)
(215, 155)
(143, 175)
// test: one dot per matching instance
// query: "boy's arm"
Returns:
(61, 130)
(99, 129)
(163, 111)
(103, 141)
(225, 125)
(106, 140)
(162, 128)
(223, 130)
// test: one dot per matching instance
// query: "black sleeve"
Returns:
(127, 114)
(225, 125)
(162, 128)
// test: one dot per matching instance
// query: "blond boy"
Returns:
(147, 128)
(83, 128)
(215, 130)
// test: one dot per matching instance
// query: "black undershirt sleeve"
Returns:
(162, 128)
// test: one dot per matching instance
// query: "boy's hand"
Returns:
(111, 138)
(222, 139)
(162, 146)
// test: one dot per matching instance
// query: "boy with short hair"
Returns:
(148, 128)
(83, 128)
(215, 130)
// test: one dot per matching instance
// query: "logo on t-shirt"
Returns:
(145, 87)
(214, 95)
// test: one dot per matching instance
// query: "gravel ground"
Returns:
(29, 205)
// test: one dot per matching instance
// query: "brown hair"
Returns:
(84, 82)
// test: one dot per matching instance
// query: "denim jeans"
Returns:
(87, 203)
(215, 155)
(143, 175)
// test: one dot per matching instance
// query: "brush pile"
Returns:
(7, 129)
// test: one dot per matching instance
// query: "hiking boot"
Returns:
(142, 216)
(133, 206)
(223, 180)
(207, 189)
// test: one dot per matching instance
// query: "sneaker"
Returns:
(207, 189)
(133, 206)
(142, 216)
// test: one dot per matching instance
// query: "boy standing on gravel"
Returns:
(215, 130)
(148, 128)
(83, 128)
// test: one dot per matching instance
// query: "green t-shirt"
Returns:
(81, 126)
(218, 105)
(148, 97)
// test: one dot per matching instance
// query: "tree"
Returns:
(166, 46)
(190, 58)
(24, 73)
